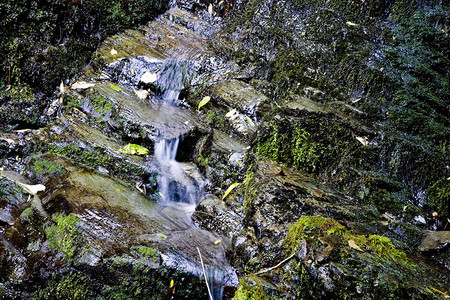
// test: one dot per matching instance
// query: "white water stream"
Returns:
(178, 188)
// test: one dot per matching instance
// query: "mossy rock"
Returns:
(64, 236)
(439, 196)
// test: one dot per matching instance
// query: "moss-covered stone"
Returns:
(316, 226)
(250, 288)
(64, 235)
(439, 195)
(71, 286)
(42, 168)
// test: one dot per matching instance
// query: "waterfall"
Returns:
(176, 188)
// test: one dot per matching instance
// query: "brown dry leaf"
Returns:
(353, 245)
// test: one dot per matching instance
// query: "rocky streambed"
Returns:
(197, 145)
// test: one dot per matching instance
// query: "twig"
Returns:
(204, 274)
(274, 267)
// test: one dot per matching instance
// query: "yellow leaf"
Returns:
(172, 283)
(134, 149)
(203, 102)
(115, 87)
(229, 190)
(148, 77)
(250, 121)
(117, 190)
(217, 242)
(163, 236)
(353, 245)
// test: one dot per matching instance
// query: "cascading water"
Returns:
(176, 187)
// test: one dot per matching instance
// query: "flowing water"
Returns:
(176, 185)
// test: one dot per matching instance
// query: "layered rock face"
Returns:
(310, 138)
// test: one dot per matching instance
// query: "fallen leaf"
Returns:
(217, 242)
(356, 100)
(210, 9)
(134, 150)
(163, 236)
(351, 24)
(203, 102)
(172, 283)
(148, 77)
(230, 189)
(250, 121)
(32, 189)
(82, 85)
(115, 87)
(142, 94)
(113, 52)
(230, 113)
(117, 190)
(353, 245)
(363, 140)
(62, 88)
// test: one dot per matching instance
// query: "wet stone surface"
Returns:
(290, 181)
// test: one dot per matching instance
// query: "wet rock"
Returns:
(114, 218)
(239, 95)
(434, 240)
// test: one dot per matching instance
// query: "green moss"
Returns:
(45, 167)
(102, 104)
(146, 251)
(250, 288)
(317, 226)
(289, 144)
(92, 158)
(71, 286)
(439, 196)
(27, 214)
(64, 235)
